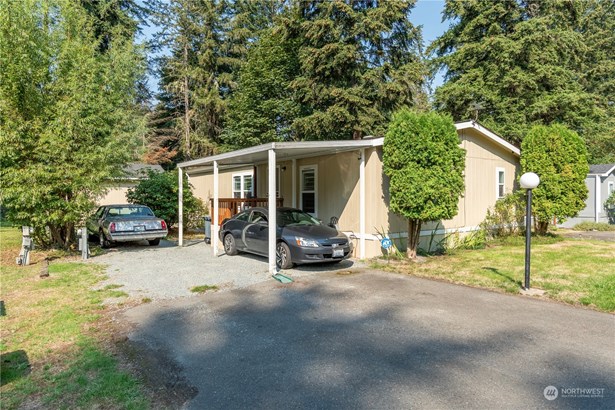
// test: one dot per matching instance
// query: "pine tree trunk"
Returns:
(414, 232)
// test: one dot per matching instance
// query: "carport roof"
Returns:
(283, 150)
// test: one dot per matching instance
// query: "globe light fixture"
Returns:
(528, 181)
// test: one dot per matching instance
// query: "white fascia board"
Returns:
(228, 155)
(289, 146)
(489, 134)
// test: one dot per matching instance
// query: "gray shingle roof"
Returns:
(600, 169)
(139, 170)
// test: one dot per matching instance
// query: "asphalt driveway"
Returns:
(360, 339)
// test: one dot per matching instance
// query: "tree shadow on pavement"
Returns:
(310, 345)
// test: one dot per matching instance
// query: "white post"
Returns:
(294, 184)
(272, 212)
(214, 222)
(597, 189)
(362, 205)
(181, 207)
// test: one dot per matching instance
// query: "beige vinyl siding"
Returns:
(117, 193)
(203, 184)
(483, 158)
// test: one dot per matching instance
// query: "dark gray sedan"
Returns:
(301, 238)
(126, 223)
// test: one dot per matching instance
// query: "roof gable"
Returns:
(487, 133)
(601, 169)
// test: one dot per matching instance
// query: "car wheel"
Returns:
(282, 256)
(230, 248)
(102, 240)
(154, 242)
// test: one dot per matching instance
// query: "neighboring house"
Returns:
(118, 187)
(345, 179)
(600, 184)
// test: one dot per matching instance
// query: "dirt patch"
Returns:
(161, 376)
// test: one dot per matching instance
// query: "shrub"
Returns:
(609, 206)
(159, 192)
(559, 157)
(506, 218)
(593, 226)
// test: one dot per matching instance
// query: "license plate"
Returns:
(338, 253)
(139, 228)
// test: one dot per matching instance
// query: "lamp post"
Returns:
(528, 181)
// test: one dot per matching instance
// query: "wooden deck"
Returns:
(228, 207)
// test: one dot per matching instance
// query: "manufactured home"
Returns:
(600, 182)
(343, 182)
(118, 187)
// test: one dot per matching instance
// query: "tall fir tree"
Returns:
(196, 74)
(359, 62)
(512, 64)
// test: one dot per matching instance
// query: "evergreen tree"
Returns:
(197, 73)
(263, 108)
(559, 157)
(68, 114)
(422, 158)
(513, 64)
(359, 62)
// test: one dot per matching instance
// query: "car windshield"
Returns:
(296, 217)
(124, 211)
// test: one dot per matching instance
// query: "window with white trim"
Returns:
(278, 181)
(500, 183)
(309, 186)
(611, 188)
(242, 185)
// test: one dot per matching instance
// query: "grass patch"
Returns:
(571, 271)
(53, 337)
(594, 226)
(204, 288)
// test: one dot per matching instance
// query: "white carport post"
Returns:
(272, 211)
(362, 205)
(180, 196)
(214, 222)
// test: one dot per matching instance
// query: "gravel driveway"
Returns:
(168, 271)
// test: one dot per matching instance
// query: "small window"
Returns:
(611, 187)
(308, 190)
(500, 179)
(242, 185)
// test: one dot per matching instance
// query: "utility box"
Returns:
(27, 244)
(84, 247)
(207, 224)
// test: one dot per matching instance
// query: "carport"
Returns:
(269, 154)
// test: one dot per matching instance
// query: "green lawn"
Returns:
(54, 336)
(578, 272)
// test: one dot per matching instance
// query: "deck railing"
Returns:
(227, 207)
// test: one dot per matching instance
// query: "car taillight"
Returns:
(163, 224)
(112, 227)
